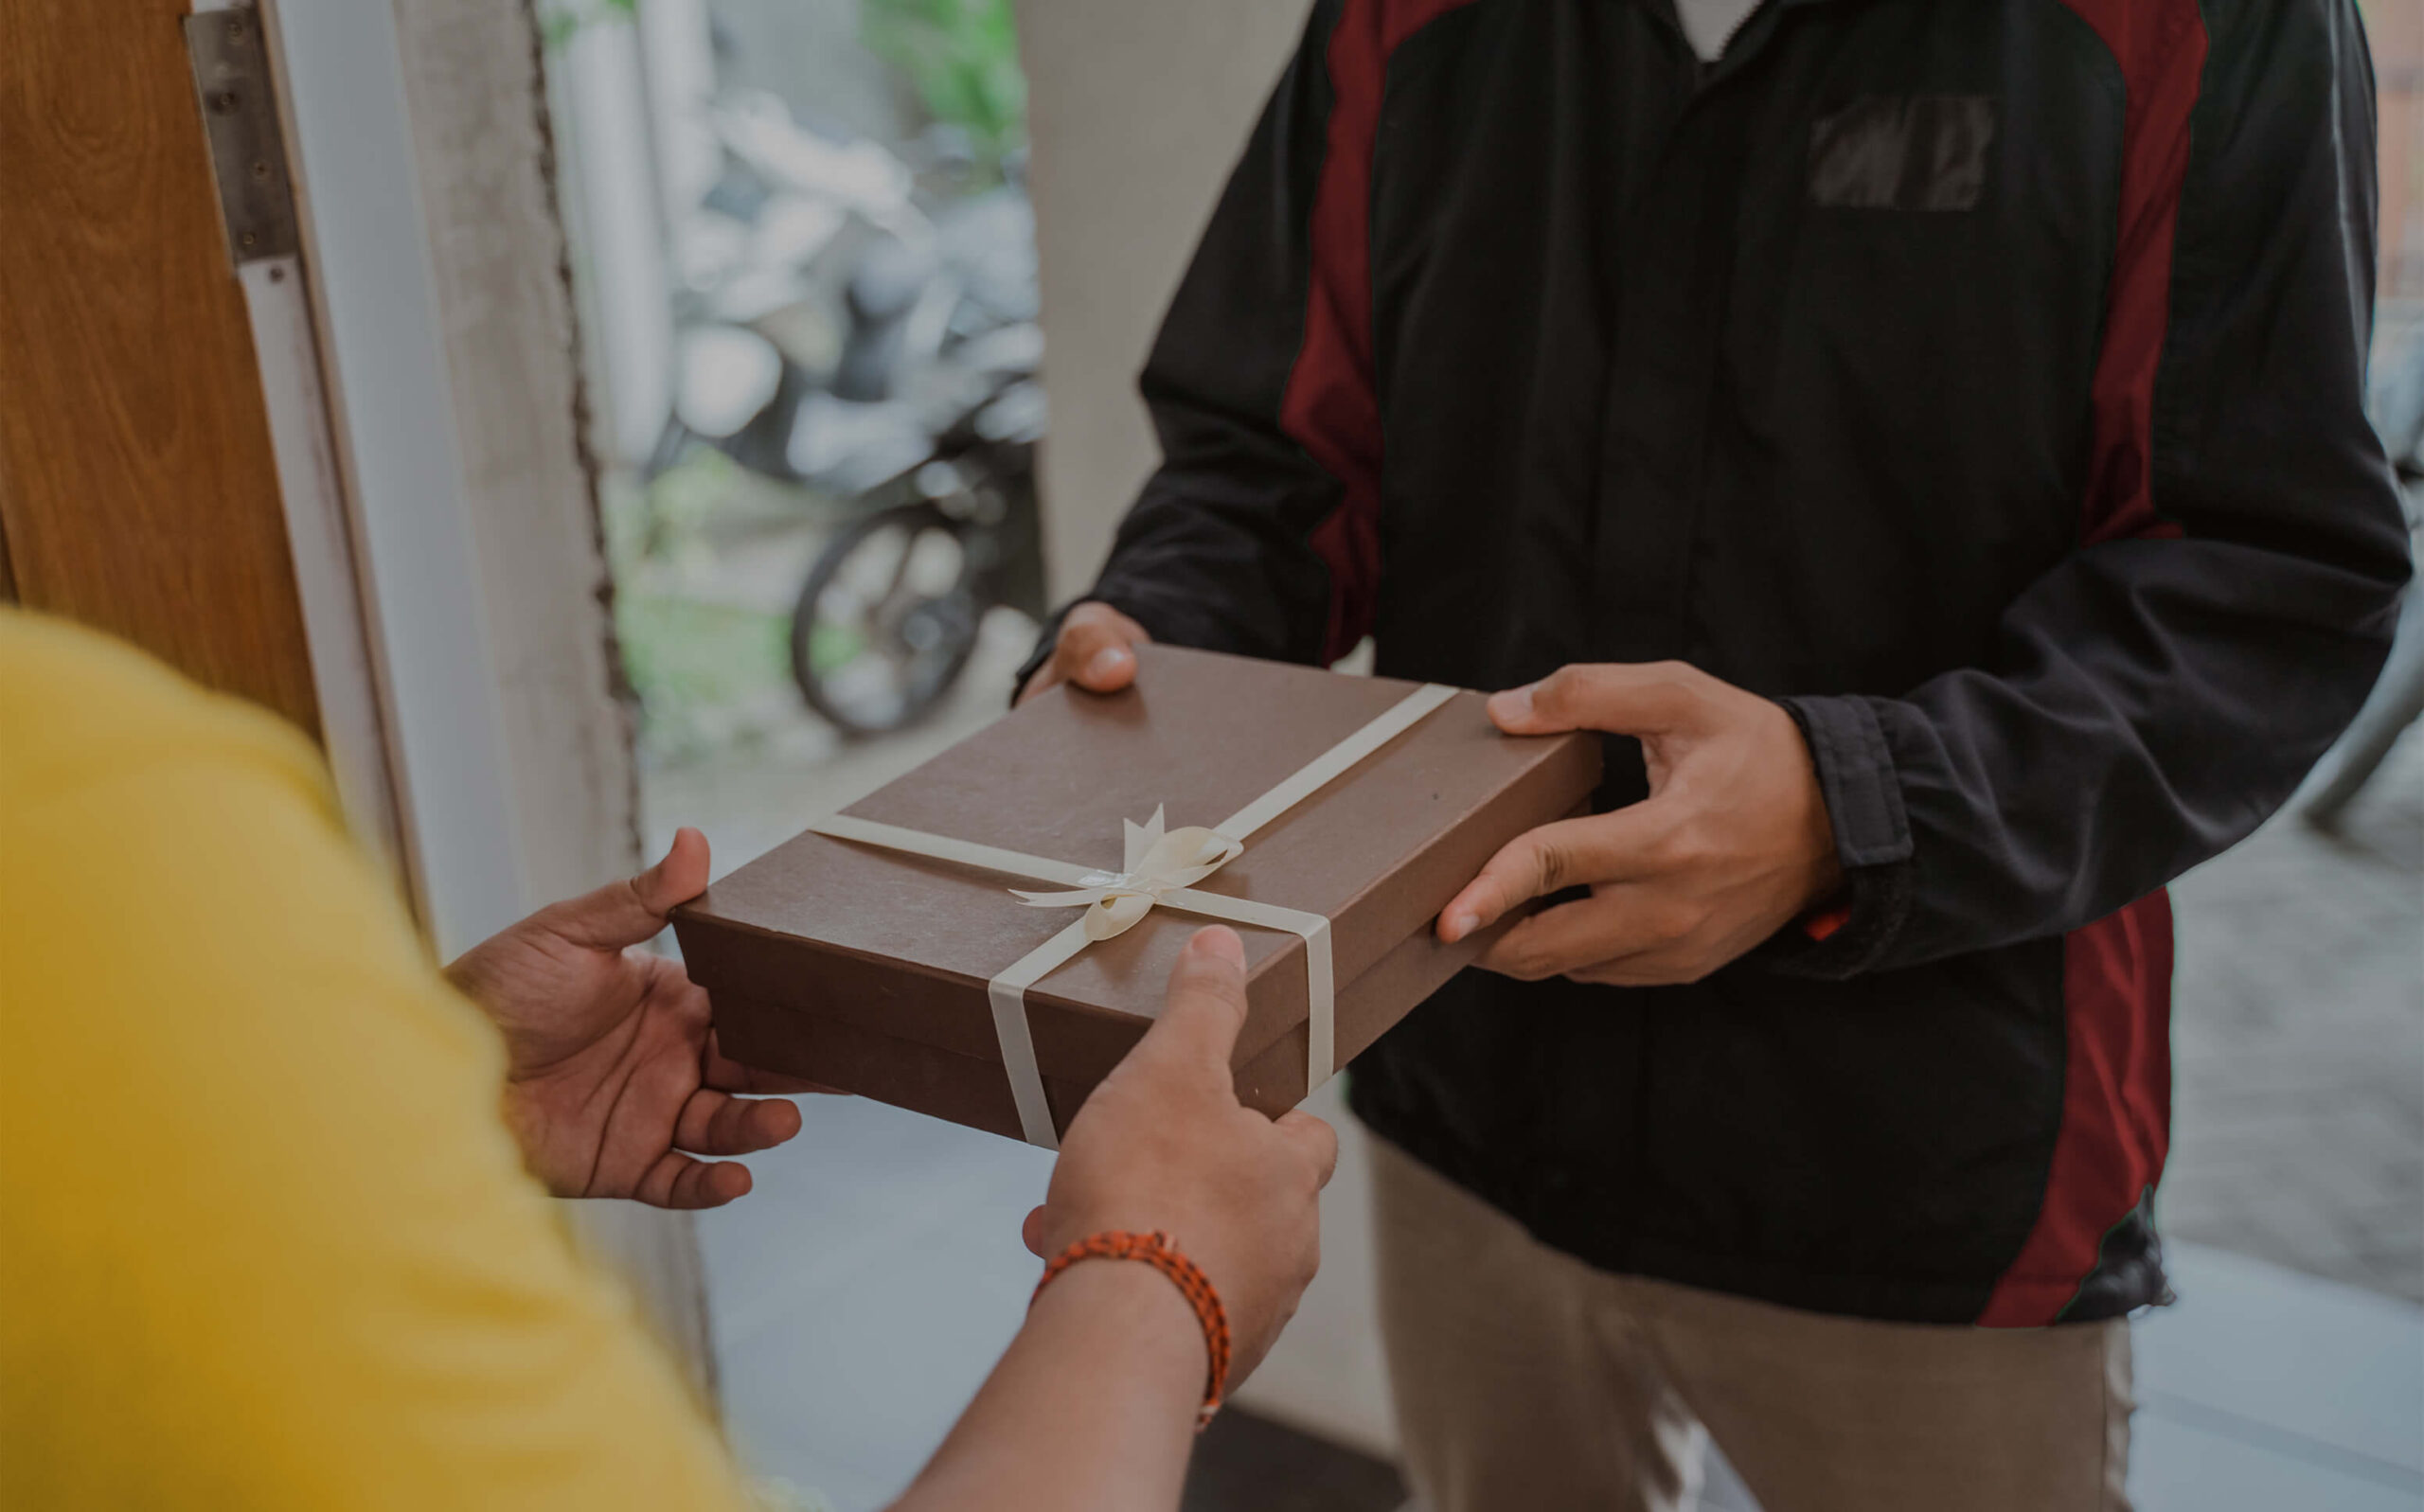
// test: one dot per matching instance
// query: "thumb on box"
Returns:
(1205, 1007)
(632, 911)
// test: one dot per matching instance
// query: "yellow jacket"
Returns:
(264, 1241)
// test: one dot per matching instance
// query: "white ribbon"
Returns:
(1159, 868)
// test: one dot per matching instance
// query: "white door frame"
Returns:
(387, 415)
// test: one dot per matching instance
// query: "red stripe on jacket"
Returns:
(2161, 47)
(2116, 1108)
(2116, 972)
(1331, 407)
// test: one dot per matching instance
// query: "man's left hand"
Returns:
(612, 1066)
(1732, 843)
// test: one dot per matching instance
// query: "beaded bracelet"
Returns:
(1156, 1250)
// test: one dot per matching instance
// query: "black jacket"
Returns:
(1980, 379)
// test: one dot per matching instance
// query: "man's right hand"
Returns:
(1096, 651)
(1164, 1144)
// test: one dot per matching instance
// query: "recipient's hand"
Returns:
(1163, 1144)
(1732, 843)
(1097, 650)
(612, 1070)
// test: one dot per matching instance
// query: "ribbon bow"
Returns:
(1156, 863)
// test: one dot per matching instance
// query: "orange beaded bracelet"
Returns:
(1156, 1250)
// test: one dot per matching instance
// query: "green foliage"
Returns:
(559, 20)
(698, 665)
(962, 57)
(703, 668)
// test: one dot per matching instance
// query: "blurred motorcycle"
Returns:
(837, 334)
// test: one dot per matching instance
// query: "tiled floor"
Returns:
(2262, 1382)
(862, 1291)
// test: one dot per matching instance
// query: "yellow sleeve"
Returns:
(264, 1241)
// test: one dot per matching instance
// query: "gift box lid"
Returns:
(905, 945)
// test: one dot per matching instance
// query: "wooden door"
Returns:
(139, 490)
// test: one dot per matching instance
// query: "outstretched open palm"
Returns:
(613, 1082)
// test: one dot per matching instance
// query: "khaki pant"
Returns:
(1527, 1381)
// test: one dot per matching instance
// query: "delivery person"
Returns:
(1927, 439)
(273, 1232)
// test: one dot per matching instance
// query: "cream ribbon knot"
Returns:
(1157, 862)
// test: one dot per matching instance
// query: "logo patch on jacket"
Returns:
(1902, 152)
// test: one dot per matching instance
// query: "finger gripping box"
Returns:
(873, 969)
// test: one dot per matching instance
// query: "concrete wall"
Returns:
(1136, 111)
(482, 142)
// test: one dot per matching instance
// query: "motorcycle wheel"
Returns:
(887, 619)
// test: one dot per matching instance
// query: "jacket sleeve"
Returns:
(2154, 697)
(1218, 550)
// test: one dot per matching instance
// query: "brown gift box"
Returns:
(865, 969)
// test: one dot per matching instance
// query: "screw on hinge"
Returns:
(235, 29)
(225, 102)
(247, 240)
(260, 170)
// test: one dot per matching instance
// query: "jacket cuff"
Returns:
(1856, 776)
(1872, 907)
(1864, 798)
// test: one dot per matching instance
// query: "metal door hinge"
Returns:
(230, 59)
